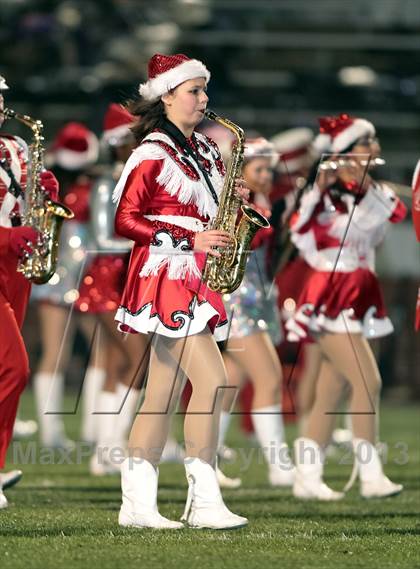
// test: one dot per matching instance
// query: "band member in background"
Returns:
(297, 154)
(72, 154)
(168, 192)
(339, 222)
(113, 406)
(255, 328)
(15, 241)
(416, 221)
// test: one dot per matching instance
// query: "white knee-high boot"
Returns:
(103, 460)
(268, 424)
(92, 386)
(373, 482)
(205, 507)
(308, 484)
(49, 390)
(139, 484)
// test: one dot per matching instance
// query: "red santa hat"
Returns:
(165, 72)
(294, 147)
(117, 123)
(74, 147)
(3, 85)
(260, 148)
(342, 131)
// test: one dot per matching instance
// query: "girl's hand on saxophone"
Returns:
(49, 184)
(22, 240)
(242, 190)
(206, 241)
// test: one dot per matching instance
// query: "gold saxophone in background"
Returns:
(41, 213)
(224, 274)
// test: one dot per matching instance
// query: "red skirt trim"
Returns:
(171, 307)
(341, 303)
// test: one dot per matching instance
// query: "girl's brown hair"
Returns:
(150, 114)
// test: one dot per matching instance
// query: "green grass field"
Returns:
(59, 516)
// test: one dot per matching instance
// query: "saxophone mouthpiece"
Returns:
(210, 114)
(8, 113)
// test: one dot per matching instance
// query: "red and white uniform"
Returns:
(415, 212)
(14, 293)
(102, 284)
(164, 201)
(337, 237)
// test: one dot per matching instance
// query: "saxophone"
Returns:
(44, 215)
(224, 274)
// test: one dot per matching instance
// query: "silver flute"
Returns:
(336, 163)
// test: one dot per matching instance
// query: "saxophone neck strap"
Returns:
(14, 188)
(179, 138)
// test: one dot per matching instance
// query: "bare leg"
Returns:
(351, 357)
(200, 360)
(259, 361)
(322, 416)
(307, 384)
(128, 360)
(235, 379)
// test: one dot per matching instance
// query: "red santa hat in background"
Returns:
(338, 133)
(117, 123)
(75, 147)
(294, 148)
(165, 72)
(260, 148)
